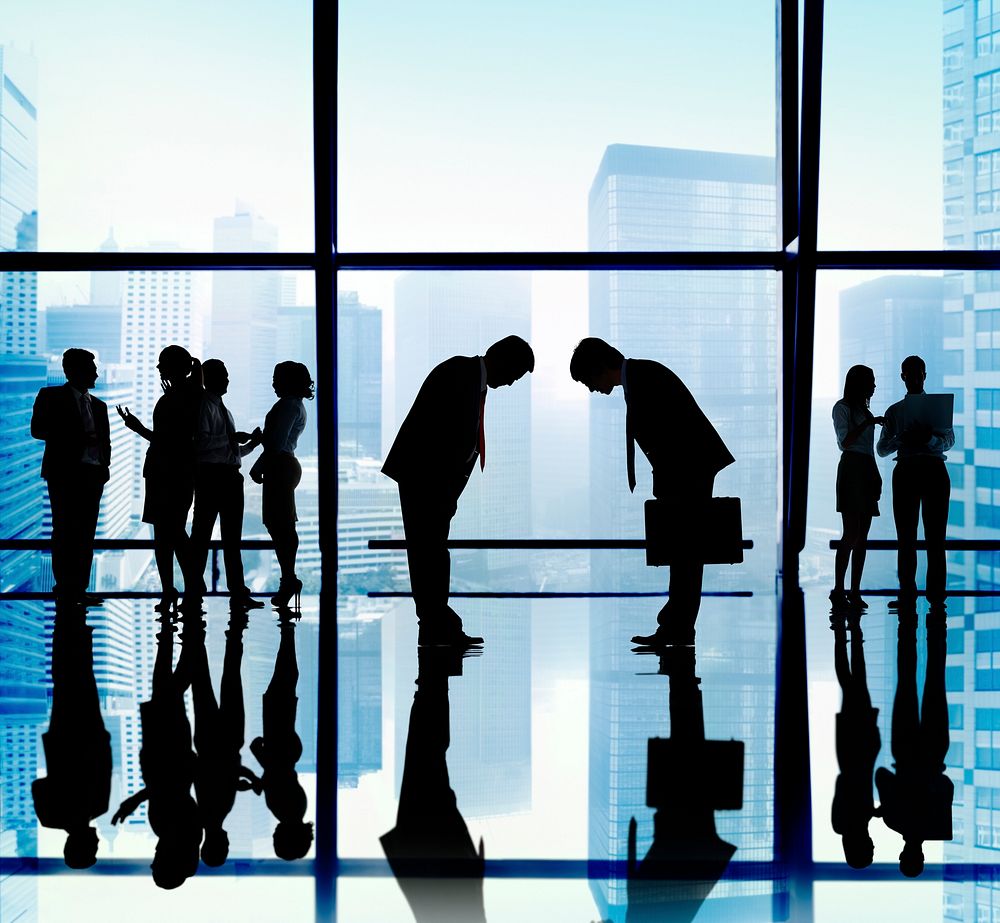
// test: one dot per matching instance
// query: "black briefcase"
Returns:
(710, 533)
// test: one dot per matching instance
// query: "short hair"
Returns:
(292, 839)
(213, 368)
(75, 358)
(292, 379)
(591, 357)
(913, 364)
(513, 352)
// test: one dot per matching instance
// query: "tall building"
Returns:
(971, 349)
(443, 314)
(245, 317)
(159, 307)
(359, 378)
(19, 329)
(716, 330)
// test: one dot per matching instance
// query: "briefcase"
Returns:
(710, 532)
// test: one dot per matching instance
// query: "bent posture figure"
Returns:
(434, 454)
(683, 448)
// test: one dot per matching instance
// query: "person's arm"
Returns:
(41, 416)
(889, 441)
(249, 781)
(129, 805)
(134, 423)
(942, 440)
(846, 435)
(257, 749)
(247, 442)
(211, 433)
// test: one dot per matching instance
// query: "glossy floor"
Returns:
(519, 770)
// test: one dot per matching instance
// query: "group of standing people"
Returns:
(921, 487)
(194, 458)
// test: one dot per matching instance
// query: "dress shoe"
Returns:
(664, 636)
(448, 637)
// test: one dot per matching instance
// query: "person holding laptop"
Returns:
(919, 433)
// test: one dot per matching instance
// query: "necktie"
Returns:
(87, 412)
(481, 443)
(630, 452)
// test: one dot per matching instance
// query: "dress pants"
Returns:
(75, 500)
(427, 511)
(218, 492)
(686, 577)
(921, 488)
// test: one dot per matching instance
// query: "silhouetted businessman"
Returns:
(75, 465)
(430, 833)
(916, 799)
(77, 784)
(683, 448)
(218, 484)
(168, 767)
(280, 748)
(920, 488)
(218, 731)
(689, 779)
(434, 454)
(858, 746)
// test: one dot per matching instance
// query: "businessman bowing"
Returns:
(435, 451)
(684, 449)
(75, 465)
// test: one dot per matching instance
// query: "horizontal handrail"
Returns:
(556, 594)
(562, 544)
(950, 544)
(122, 544)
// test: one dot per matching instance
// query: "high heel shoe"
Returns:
(168, 600)
(288, 589)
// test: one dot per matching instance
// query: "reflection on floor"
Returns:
(557, 775)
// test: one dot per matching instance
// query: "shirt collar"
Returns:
(77, 393)
(482, 374)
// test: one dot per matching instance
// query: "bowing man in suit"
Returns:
(431, 459)
(76, 464)
(683, 447)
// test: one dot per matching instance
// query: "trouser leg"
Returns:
(427, 515)
(231, 517)
(61, 505)
(935, 498)
(905, 512)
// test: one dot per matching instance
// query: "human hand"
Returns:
(878, 421)
(242, 437)
(130, 419)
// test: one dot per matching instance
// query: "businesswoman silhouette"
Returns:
(278, 470)
(169, 465)
(859, 484)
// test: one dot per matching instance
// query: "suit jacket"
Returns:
(441, 430)
(668, 425)
(56, 419)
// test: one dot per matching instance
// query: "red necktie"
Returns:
(481, 444)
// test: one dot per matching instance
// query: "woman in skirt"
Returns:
(859, 485)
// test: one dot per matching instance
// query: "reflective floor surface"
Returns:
(555, 774)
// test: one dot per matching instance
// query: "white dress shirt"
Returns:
(215, 424)
(284, 424)
(891, 439)
(846, 418)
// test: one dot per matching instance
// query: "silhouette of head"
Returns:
(913, 371)
(215, 848)
(292, 379)
(216, 376)
(174, 862)
(596, 364)
(507, 360)
(292, 839)
(859, 850)
(79, 368)
(859, 385)
(80, 851)
(174, 365)
(911, 859)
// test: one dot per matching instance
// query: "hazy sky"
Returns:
(462, 125)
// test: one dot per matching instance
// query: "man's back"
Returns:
(667, 423)
(439, 434)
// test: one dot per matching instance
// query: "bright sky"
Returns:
(462, 125)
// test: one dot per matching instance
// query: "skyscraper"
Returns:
(716, 330)
(359, 378)
(245, 317)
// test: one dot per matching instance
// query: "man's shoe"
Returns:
(664, 637)
(243, 600)
(446, 638)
